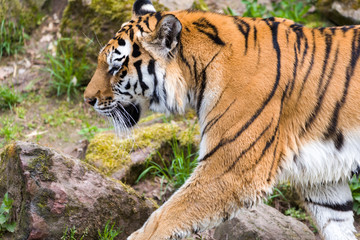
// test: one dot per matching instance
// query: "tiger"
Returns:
(275, 100)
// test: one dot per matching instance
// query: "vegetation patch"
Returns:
(109, 153)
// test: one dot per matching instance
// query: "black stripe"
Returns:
(213, 121)
(136, 51)
(181, 48)
(140, 28)
(255, 36)
(274, 158)
(204, 26)
(151, 70)
(311, 64)
(274, 29)
(244, 28)
(306, 47)
(123, 74)
(250, 147)
(131, 35)
(121, 42)
(328, 43)
(339, 140)
(275, 135)
(296, 60)
(126, 62)
(298, 30)
(342, 207)
(355, 54)
(158, 17)
(119, 59)
(143, 86)
(146, 21)
(203, 84)
(322, 94)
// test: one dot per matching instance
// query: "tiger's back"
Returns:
(275, 100)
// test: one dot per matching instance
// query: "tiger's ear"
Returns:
(166, 36)
(142, 7)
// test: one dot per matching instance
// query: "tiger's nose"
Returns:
(91, 101)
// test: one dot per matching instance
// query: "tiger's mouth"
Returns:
(124, 115)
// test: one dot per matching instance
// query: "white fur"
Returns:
(124, 52)
(320, 161)
(148, 8)
(320, 173)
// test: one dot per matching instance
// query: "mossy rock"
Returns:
(27, 13)
(344, 12)
(125, 159)
(92, 23)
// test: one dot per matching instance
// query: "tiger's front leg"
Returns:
(203, 202)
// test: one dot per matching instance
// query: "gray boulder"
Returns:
(265, 223)
(53, 192)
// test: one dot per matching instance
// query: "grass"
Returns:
(108, 233)
(88, 131)
(180, 168)
(355, 189)
(12, 38)
(5, 215)
(67, 72)
(290, 9)
(9, 130)
(9, 97)
(70, 234)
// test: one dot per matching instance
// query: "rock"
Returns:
(265, 223)
(344, 12)
(124, 159)
(52, 191)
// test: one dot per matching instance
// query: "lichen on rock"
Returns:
(109, 154)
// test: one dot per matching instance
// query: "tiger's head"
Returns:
(138, 69)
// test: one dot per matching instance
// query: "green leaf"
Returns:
(3, 219)
(11, 227)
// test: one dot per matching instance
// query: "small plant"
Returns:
(108, 233)
(67, 73)
(291, 9)
(69, 234)
(355, 189)
(200, 5)
(231, 12)
(88, 131)
(301, 215)
(11, 38)
(180, 168)
(5, 212)
(9, 129)
(8, 97)
(254, 9)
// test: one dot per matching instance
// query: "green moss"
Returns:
(27, 13)
(94, 22)
(109, 153)
(41, 165)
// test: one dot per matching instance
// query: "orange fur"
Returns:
(268, 92)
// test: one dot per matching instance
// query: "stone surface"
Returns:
(52, 191)
(125, 158)
(345, 12)
(265, 223)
